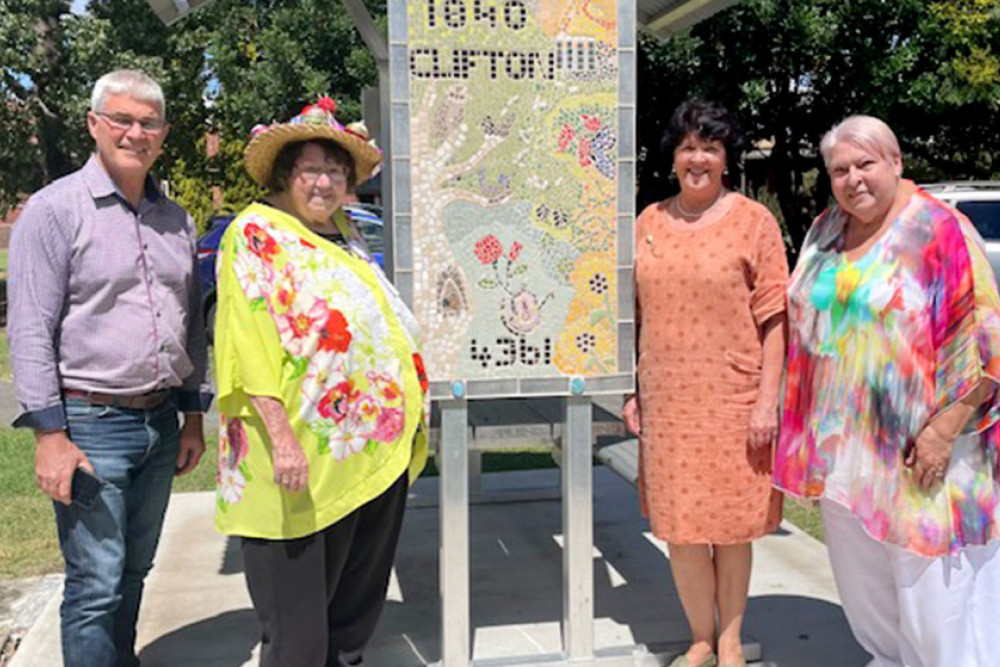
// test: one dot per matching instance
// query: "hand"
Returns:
(56, 459)
(192, 444)
(928, 458)
(763, 425)
(632, 414)
(291, 470)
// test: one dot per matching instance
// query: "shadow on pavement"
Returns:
(225, 640)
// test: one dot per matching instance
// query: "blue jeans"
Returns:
(109, 548)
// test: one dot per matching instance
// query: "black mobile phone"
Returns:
(85, 488)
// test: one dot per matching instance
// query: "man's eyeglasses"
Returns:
(311, 174)
(124, 123)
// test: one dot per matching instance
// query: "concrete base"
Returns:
(197, 613)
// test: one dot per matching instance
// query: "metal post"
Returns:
(385, 141)
(578, 530)
(454, 548)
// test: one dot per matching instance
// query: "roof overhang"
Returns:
(171, 11)
(664, 18)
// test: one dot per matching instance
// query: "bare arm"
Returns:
(764, 417)
(291, 470)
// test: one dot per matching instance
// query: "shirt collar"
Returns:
(101, 185)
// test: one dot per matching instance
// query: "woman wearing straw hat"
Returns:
(322, 396)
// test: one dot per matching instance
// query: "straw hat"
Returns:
(316, 121)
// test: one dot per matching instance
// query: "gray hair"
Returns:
(133, 83)
(866, 132)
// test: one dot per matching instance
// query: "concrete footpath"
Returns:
(196, 610)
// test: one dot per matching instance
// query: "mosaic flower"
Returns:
(488, 249)
(522, 312)
(566, 135)
(583, 152)
(515, 251)
(598, 283)
(592, 123)
(586, 341)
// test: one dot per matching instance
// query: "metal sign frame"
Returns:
(405, 263)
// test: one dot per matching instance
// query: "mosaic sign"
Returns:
(510, 217)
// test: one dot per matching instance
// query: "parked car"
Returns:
(367, 217)
(980, 202)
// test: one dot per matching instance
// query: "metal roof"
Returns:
(663, 18)
(658, 17)
(171, 11)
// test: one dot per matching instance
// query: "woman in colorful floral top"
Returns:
(890, 410)
(322, 396)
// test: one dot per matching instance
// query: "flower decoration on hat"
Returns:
(314, 122)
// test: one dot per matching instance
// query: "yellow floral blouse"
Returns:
(322, 330)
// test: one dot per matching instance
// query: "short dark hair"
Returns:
(284, 163)
(710, 121)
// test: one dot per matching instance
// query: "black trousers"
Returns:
(321, 594)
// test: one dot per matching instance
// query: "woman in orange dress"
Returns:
(710, 274)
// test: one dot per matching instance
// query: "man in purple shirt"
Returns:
(107, 343)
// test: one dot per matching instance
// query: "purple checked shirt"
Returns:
(103, 298)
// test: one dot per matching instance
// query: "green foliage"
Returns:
(190, 187)
(227, 67)
(968, 29)
(271, 59)
(790, 69)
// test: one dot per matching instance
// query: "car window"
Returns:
(985, 215)
(372, 232)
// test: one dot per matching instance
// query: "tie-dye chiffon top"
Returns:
(877, 347)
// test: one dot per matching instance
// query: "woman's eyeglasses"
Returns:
(311, 174)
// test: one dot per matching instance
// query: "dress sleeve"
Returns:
(247, 345)
(955, 332)
(770, 272)
(987, 306)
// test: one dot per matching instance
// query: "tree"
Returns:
(790, 69)
(266, 61)
(225, 68)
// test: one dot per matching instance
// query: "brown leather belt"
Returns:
(146, 401)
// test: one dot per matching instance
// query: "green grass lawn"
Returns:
(28, 541)
(3, 260)
(805, 516)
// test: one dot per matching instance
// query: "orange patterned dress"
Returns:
(702, 294)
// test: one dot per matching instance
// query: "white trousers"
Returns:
(908, 610)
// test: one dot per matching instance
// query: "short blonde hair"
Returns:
(137, 85)
(866, 132)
